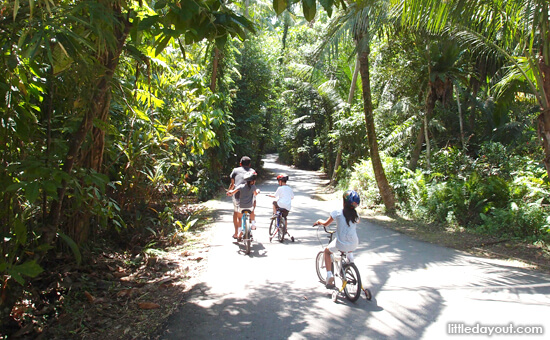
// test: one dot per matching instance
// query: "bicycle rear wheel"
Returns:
(282, 229)
(320, 266)
(352, 290)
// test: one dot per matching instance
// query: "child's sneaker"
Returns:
(330, 282)
(253, 225)
(274, 216)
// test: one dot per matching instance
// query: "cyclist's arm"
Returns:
(232, 185)
(326, 222)
(232, 192)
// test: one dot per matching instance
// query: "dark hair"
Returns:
(245, 161)
(350, 213)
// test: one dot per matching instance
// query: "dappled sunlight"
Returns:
(274, 291)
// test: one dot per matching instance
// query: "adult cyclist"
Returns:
(237, 178)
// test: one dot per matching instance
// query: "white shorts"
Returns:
(333, 249)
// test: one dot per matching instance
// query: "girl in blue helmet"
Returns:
(346, 235)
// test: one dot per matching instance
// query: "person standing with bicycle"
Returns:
(247, 191)
(346, 231)
(237, 178)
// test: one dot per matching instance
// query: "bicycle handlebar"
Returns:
(324, 227)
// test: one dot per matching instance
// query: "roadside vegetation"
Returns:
(119, 118)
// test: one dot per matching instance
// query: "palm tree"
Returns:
(359, 21)
(361, 15)
(519, 30)
(440, 72)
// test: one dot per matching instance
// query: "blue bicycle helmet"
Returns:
(352, 197)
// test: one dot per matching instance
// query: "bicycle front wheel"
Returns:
(272, 229)
(246, 237)
(320, 266)
(282, 229)
(352, 290)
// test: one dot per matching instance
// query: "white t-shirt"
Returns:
(284, 196)
(346, 236)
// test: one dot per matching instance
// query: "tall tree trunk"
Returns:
(415, 155)
(350, 100)
(460, 118)
(383, 186)
(427, 139)
(98, 109)
(215, 63)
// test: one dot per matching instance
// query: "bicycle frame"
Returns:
(246, 230)
(277, 224)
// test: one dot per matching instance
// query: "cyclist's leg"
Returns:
(239, 226)
(236, 219)
(328, 262)
(253, 216)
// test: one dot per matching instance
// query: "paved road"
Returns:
(418, 288)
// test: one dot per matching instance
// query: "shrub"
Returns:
(517, 220)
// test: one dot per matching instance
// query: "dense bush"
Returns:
(461, 191)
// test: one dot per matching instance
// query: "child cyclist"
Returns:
(346, 234)
(248, 191)
(283, 196)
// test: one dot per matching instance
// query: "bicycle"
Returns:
(344, 271)
(246, 230)
(278, 226)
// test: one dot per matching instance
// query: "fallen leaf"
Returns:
(127, 292)
(90, 298)
(148, 305)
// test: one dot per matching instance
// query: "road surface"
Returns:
(420, 290)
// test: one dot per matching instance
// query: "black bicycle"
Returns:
(345, 272)
(278, 226)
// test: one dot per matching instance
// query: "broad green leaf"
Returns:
(279, 6)
(16, 276)
(15, 9)
(162, 44)
(43, 248)
(14, 187)
(310, 8)
(327, 5)
(161, 4)
(32, 190)
(74, 247)
(29, 268)
(20, 231)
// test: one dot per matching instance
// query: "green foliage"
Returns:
(483, 195)
(521, 220)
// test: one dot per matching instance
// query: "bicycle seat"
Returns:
(246, 211)
(283, 212)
